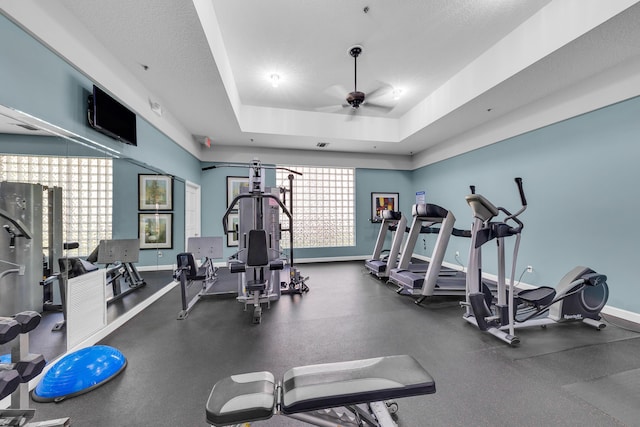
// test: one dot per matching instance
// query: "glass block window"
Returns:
(323, 207)
(87, 193)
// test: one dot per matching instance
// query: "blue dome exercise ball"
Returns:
(79, 372)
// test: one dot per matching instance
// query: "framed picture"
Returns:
(155, 192)
(155, 230)
(232, 237)
(382, 201)
(236, 184)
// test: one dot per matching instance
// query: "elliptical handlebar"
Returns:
(521, 190)
(514, 217)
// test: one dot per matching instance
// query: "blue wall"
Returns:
(581, 181)
(125, 215)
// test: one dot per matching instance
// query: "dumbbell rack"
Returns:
(19, 411)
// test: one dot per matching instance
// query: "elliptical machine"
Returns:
(579, 296)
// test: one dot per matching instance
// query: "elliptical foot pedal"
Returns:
(539, 296)
(480, 310)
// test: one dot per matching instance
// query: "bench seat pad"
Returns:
(241, 398)
(329, 385)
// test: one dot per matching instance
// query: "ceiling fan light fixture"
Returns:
(396, 94)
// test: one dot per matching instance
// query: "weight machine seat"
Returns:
(253, 396)
(185, 259)
(257, 252)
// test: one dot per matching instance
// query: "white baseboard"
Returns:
(621, 314)
(170, 267)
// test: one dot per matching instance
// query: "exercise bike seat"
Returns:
(538, 296)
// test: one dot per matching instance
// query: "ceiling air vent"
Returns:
(322, 144)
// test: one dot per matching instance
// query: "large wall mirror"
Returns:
(87, 198)
(71, 209)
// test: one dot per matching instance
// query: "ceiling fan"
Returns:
(357, 99)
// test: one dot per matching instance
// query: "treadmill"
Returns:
(436, 280)
(381, 265)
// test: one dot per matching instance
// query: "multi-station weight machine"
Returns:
(21, 265)
(259, 233)
(21, 248)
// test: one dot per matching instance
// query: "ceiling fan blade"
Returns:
(337, 91)
(381, 90)
(379, 107)
(331, 108)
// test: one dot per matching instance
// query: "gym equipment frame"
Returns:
(204, 249)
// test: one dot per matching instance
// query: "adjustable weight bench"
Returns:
(331, 394)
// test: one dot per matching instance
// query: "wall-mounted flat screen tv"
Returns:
(108, 116)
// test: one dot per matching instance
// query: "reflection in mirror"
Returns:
(77, 281)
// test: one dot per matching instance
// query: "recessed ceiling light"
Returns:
(275, 80)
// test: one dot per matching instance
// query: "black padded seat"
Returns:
(185, 259)
(236, 266)
(257, 250)
(257, 256)
(313, 387)
(241, 398)
(276, 264)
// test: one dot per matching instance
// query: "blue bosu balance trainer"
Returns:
(79, 372)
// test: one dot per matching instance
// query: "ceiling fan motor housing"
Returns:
(355, 99)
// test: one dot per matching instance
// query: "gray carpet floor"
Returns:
(550, 379)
